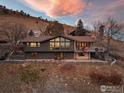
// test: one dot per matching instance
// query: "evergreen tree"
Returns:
(80, 25)
(80, 31)
(101, 32)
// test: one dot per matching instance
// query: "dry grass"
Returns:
(29, 22)
(104, 77)
(74, 78)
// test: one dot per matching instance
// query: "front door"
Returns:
(34, 55)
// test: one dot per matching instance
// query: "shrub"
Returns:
(29, 75)
(103, 78)
(67, 68)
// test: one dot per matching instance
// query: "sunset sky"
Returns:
(68, 11)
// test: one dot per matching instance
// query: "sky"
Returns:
(69, 11)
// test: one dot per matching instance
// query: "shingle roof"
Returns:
(44, 38)
(82, 38)
(3, 38)
(4, 48)
(36, 39)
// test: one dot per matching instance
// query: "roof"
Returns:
(82, 38)
(37, 39)
(45, 38)
(4, 48)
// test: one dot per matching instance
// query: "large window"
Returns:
(33, 44)
(59, 43)
(81, 45)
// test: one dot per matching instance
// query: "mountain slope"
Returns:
(31, 23)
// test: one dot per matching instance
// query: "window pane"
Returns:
(33, 44)
(83, 44)
(38, 44)
(57, 44)
(62, 44)
(67, 44)
(28, 44)
(67, 40)
(56, 39)
(52, 40)
(51, 44)
(62, 39)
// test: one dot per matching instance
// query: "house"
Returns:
(4, 48)
(59, 47)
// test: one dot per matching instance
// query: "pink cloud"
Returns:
(113, 9)
(56, 8)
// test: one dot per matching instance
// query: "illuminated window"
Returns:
(67, 44)
(38, 44)
(62, 45)
(28, 44)
(62, 39)
(33, 44)
(81, 45)
(59, 43)
(57, 39)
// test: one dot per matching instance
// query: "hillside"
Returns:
(32, 23)
(60, 77)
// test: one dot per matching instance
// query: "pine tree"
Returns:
(80, 29)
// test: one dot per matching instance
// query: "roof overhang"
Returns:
(46, 38)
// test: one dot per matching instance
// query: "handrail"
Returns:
(113, 62)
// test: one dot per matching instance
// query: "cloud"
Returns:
(113, 9)
(101, 10)
(56, 8)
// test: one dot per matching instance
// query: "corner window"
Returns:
(59, 43)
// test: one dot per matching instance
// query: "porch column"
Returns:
(75, 50)
(89, 56)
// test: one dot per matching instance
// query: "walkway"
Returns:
(52, 60)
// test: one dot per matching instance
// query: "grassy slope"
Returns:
(29, 22)
(118, 48)
(57, 77)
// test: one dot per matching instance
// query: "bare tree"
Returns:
(109, 29)
(112, 28)
(13, 33)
